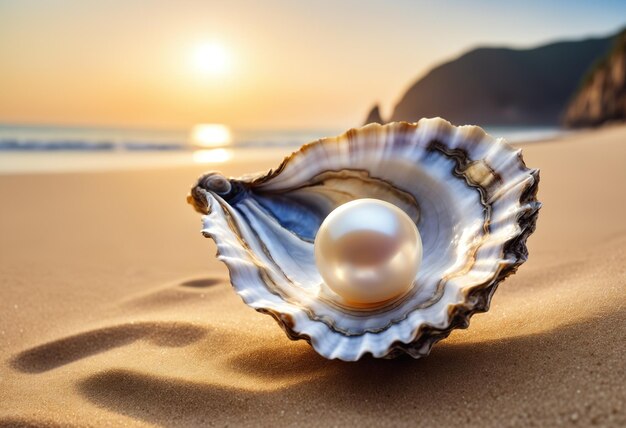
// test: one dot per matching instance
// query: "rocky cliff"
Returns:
(374, 116)
(602, 95)
(502, 86)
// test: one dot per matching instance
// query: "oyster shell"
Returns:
(471, 196)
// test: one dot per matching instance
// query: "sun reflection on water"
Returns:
(212, 155)
(210, 135)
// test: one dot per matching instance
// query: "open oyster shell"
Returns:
(471, 196)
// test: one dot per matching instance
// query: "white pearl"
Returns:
(368, 251)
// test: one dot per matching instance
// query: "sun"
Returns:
(211, 58)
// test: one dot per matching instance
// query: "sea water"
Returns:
(28, 148)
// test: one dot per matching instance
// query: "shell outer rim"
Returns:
(459, 314)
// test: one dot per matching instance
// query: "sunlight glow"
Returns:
(211, 58)
(210, 135)
(212, 156)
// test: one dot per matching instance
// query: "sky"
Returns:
(252, 64)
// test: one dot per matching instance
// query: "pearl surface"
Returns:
(368, 251)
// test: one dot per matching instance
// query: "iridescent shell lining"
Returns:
(472, 197)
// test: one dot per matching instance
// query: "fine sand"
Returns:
(114, 311)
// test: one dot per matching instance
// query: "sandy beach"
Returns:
(114, 312)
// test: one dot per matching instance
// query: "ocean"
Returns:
(31, 149)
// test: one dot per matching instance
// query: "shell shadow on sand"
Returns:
(180, 293)
(57, 353)
(31, 423)
(288, 381)
(201, 282)
(69, 349)
(465, 374)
